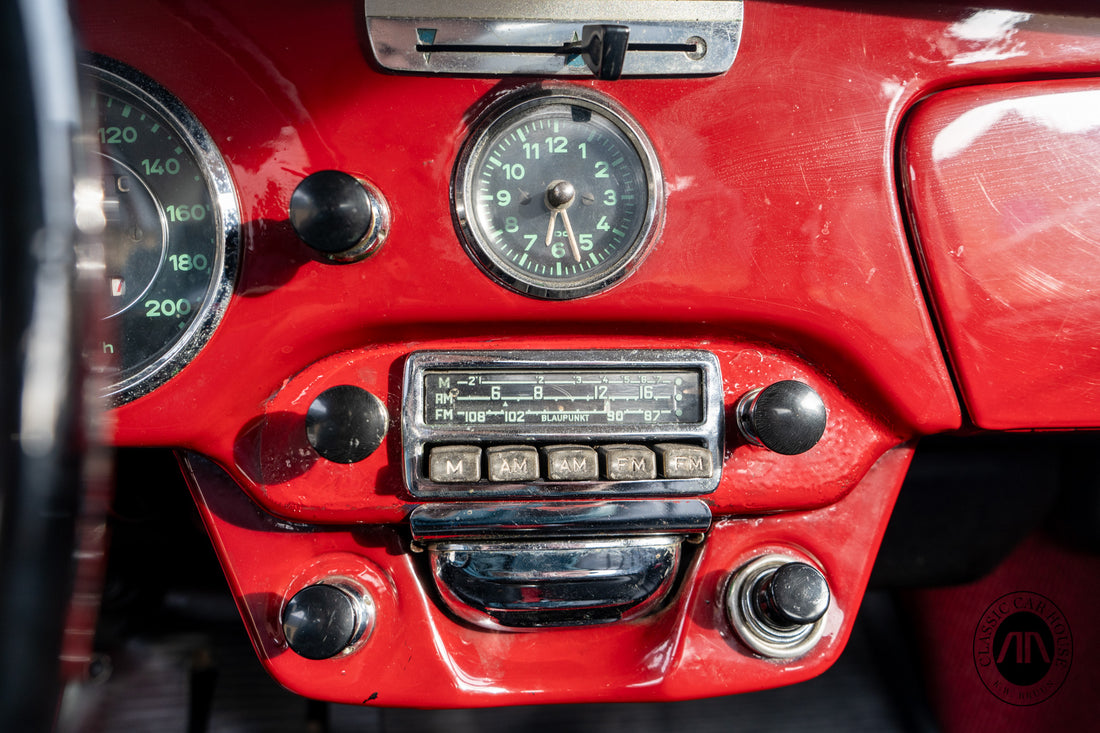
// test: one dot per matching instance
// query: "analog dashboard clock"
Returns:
(557, 194)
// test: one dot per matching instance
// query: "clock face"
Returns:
(557, 196)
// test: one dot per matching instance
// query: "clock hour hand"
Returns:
(560, 195)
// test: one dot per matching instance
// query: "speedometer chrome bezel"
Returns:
(227, 217)
(507, 112)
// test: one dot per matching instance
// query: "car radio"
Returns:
(480, 424)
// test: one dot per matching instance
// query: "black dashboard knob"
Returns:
(796, 594)
(345, 424)
(338, 216)
(321, 620)
(787, 417)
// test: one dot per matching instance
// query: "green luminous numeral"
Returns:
(167, 308)
(187, 263)
(185, 213)
(601, 169)
(154, 167)
(557, 144)
(116, 135)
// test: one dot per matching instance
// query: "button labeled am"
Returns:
(511, 463)
(571, 463)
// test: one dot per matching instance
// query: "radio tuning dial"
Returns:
(787, 417)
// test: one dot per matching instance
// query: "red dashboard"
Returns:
(812, 229)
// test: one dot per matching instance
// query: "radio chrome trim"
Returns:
(513, 521)
(417, 435)
(567, 582)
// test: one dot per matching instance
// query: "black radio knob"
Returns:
(322, 620)
(787, 417)
(338, 216)
(345, 424)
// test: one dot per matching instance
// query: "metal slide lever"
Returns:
(605, 49)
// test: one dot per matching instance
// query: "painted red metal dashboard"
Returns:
(783, 251)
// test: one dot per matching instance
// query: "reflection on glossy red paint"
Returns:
(1007, 213)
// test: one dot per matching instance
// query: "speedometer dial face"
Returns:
(170, 243)
(557, 196)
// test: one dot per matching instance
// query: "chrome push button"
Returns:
(628, 462)
(450, 464)
(513, 463)
(571, 463)
(684, 461)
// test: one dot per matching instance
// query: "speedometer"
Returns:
(171, 237)
(557, 195)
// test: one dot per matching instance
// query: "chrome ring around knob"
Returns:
(324, 619)
(757, 625)
(341, 217)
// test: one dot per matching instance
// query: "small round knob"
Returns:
(320, 621)
(787, 417)
(345, 424)
(335, 214)
(796, 594)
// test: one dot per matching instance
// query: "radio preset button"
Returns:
(451, 464)
(684, 461)
(571, 463)
(628, 462)
(511, 463)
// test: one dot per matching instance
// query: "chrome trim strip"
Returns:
(699, 40)
(555, 583)
(559, 519)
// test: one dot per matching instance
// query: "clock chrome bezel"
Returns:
(505, 114)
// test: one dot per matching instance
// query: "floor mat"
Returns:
(150, 684)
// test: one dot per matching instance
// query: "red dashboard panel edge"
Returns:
(1002, 184)
(685, 651)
